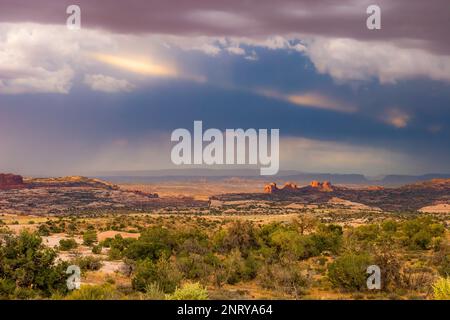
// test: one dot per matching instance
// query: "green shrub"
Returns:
(367, 233)
(67, 244)
(25, 261)
(43, 230)
(419, 233)
(24, 293)
(164, 273)
(87, 263)
(195, 266)
(97, 249)
(154, 242)
(191, 240)
(390, 267)
(97, 292)
(189, 291)
(239, 235)
(291, 244)
(7, 287)
(114, 254)
(349, 271)
(327, 238)
(231, 269)
(153, 292)
(286, 277)
(441, 289)
(89, 237)
(118, 245)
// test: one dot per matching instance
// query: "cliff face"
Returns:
(11, 181)
(321, 186)
(271, 188)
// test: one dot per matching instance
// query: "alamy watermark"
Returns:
(73, 282)
(237, 147)
(73, 22)
(374, 279)
(373, 22)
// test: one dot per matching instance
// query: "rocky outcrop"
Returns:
(429, 196)
(314, 184)
(271, 188)
(321, 186)
(11, 181)
(290, 187)
(70, 182)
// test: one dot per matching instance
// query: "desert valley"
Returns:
(222, 239)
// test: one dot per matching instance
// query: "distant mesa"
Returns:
(11, 181)
(290, 187)
(433, 184)
(14, 181)
(70, 182)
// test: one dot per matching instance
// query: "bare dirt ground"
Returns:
(53, 240)
(111, 234)
(199, 190)
(438, 208)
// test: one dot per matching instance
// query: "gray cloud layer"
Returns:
(415, 23)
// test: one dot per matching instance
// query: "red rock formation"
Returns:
(289, 186)
(321, 186)
(11, 181)
(326, 186)
(314, 184)
(292, 187)
(270, 188)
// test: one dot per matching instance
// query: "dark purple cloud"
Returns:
(416, 23)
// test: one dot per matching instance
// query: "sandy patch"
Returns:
(437, 208)
(111, 234)
(53, 240)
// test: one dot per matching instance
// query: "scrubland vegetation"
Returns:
(193, 257)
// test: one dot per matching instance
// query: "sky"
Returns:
(106, 97)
